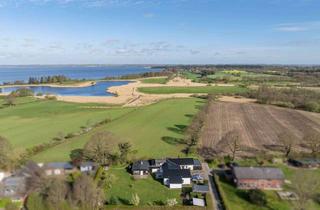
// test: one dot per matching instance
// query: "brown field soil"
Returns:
(258, 125)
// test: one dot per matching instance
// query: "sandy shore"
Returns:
(128, 95)
(75, 85)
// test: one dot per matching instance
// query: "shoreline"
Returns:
(76, 85)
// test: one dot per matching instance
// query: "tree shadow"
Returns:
(173, 140)
(124, 201)
(178, 129)
(189, 115)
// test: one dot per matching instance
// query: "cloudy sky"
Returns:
(159, 31)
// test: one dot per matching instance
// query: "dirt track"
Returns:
(259, 125)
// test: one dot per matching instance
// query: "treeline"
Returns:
(48, 79)
(143, 75)
(297, 98)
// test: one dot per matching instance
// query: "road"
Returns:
(217, 204)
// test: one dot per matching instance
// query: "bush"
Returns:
(51, 97)
(171, 202)
(11, 206)
(135, 200)
(257, 197)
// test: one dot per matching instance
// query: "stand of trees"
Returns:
(48, 79)
(288, 97)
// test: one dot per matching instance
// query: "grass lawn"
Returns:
(150, 191)
(204, 89)
(34, 121)
(153, 130)
(158, 80)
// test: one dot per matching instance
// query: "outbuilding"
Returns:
(265, 178)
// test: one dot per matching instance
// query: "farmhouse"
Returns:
(140, 168)
(13, 187)
(87, 167)
(57, 168)
(265, 178)
(173, 176)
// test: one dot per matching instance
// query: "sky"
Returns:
(159, 32)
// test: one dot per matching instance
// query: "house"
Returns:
(266, 178)
(140, 168)
(58, 168)
(13, 187)
(186, 163)
(174, 176)
(305, 162)
(87, 167)
(155, 164)
(4, 174)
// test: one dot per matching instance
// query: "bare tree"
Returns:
(233, 141)
(100, 147)
(86, 193)
(10, 100)
(56, 192)
(306, 185)
(125, 150)
(5, 150)
(287, 142)
(312, 141)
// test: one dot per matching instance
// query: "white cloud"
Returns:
(298, 27)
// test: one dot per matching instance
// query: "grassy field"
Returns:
(153, 130)
(33, 121)
(149, 190)
(204, 89)
(158, 80)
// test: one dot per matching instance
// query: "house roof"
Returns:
(88, 163)
(183, 173)
(307, 161)
(14, 181)
(175, 179)
(156, 162)
(140, 165)
(59, 165)
(257, 173)
(182, 161)
(200, 188)
(198, 202)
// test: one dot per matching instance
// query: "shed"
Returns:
(198, 202)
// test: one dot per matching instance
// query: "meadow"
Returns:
(157, 80)
(33, 121)
(153, 130)
(195, 90)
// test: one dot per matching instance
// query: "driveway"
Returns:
(217, 204)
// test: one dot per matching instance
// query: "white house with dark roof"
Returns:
(140, 168)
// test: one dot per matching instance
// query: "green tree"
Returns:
(257, 197)
(125, 150)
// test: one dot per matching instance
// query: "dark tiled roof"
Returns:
(59, 165)
(140, 165)
(257, 173)
(156, 162)
(183, 173)
(197, 162)
(200, 188)
(175, 179)
(88, 163)
(182, 161)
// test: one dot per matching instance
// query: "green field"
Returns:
(202, 89)
(153, 130)
(158, 80)
(33, 121)
(149, 190)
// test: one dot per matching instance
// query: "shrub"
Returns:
(135, 200)
(50, 97)
(257, 197)
(171, 202)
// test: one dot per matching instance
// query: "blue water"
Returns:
(97, 90)
(22, 73)
(14, 73)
